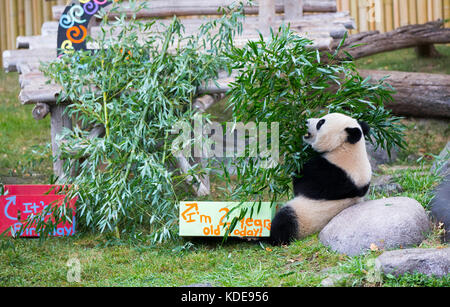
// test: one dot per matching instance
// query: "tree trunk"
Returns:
(373, 42)
(417, 94)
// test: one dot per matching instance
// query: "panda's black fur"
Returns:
(320, 181)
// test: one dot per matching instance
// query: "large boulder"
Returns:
(429, 261)
(386, 223)
(440, 207)
(379, 155)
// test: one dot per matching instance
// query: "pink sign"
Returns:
(23, 201)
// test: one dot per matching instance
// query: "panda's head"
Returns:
(331, 131)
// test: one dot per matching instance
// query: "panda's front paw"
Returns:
(284, 228)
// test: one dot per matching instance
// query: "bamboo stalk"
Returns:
(422, 11)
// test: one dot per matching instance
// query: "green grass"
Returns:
(106, 261)
(24, 151)
(406, 60)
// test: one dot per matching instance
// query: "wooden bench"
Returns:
(317, 20)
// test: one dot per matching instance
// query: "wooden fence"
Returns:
(23, 17)
(386, 15)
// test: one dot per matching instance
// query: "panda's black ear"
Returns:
(354, 135)
(365, 127)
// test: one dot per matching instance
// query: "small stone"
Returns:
(429, 261)
(335, 280)
(385, 223)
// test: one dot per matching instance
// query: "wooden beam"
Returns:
(59, 121)
(293, 9)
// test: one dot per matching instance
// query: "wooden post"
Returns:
(430, 10)
(266, 15)
(59, 120)
(21, 17)
(293, 9)
(346, 5)
(396, 14)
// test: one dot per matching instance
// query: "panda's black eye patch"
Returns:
(320, 123)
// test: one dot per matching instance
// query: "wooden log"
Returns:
(59, 121)
(417, 94)
(403, 37)
(164, 8)
(40, 110)
(11, 58)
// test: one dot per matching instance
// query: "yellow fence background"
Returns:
(386, 15)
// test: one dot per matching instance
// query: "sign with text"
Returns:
(211, 219)
(18, 205)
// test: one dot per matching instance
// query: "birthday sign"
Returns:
(212, 219)
(24, 201)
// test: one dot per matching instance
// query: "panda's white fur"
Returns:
(338, 178)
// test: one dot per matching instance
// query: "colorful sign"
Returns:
(212, 219)
(24, 201)
(73, 24)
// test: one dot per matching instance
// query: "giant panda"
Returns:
(328, 183)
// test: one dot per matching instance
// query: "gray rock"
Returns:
(429, 261)
(440, 207)
(380, 156)
(442, 163)
(383, 224)
(385, 183)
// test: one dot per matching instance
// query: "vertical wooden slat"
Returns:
(345, 5)
(396, 13)
(447, 12)
(412, 12)
(21, 16)
(362, 12)
(28, 18)
(12, 21)
(437, 9)
(388, 14)
(45, 11)
(403, 8)
(339, 5)
(355, 13)
(370, 13)
(422, 16)
(379, 15)
(3, 37)
(430, 10)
